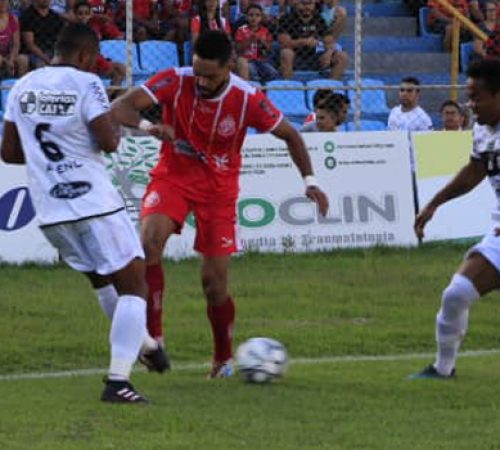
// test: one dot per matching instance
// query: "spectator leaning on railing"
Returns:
(308, 44)
(452, 116)
(408, 115)
(440, 20)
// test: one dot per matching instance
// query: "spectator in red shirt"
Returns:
(253, 45)
(103, 67)
(209, 18)
(12, 63)
(440, 20)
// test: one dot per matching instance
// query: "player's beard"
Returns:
(206, 94)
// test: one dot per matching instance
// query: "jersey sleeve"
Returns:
(262, 114)
(95, 100)
(195, 24)
(475, 154)
(163, 86)
(239, 35)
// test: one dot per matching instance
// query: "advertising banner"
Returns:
(439, 156)
(20, 238)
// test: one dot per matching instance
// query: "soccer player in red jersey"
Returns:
(206, 112)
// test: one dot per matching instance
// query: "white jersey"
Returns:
(414, 120)
(486, 147)
(52, 108)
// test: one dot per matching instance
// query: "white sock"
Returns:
(108, 298)
(452, 321)
(128, 330)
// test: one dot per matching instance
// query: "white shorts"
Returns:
(489, 247)
(103, 244)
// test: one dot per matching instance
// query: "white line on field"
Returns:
(301, 361)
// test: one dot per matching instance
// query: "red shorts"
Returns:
(215, 220)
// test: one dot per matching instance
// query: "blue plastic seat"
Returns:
(187, 53)
(158, 55)
(368, 125)
(423, 14)
(372, 101)
(292, 102)
(466, 50)
(116, 50)
(319, 83)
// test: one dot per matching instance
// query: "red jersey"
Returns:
(104, 29)
(142, 9)
(205, 157)
(196, 25)
(254, 51)
(183, 6)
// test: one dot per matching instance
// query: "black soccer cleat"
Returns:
(121, 392)
(155, 360)
(430, 373)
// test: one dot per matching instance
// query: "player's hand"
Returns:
(162, 132)
(315, 194)
(422, 218)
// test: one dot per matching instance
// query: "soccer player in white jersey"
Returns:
(57, 120)
(408, 115)
(480, 271)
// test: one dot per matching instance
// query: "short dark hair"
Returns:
(74, 37)
(320, 95)
(254, 6)
(341, 98)
(488, 71)
(213, 45)
(411, 80)
(450, 103)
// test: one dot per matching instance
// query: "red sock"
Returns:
(156, 285)
(222, 318)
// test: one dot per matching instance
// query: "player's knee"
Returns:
(153, 249)
(458, 296)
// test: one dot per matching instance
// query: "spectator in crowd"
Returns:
(145, 19)
(253, 45)
(323, 95)
(334, 16)
(319, 96)
(272, 9)
(477, 9)
(440, 20)
(209, 18)
(103, 67)
(490, 27)
(40, 27)
(174, 16)
(12, 63)
(307, 43)
(329, 114)
(408, 115)
(452, 117)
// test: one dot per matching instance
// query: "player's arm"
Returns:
(127, 108)
(105, 132)
(11, 150)
(300, 157)
(464, 181)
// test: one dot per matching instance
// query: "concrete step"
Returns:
(405, 63)
(384, 26)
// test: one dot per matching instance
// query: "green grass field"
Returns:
(356, 323)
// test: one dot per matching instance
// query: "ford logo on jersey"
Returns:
(16, 209)
(70, 190)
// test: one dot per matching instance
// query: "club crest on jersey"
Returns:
(48, 103)
(152, 199)
(227, 126)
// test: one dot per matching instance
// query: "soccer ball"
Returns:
(261, 359)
